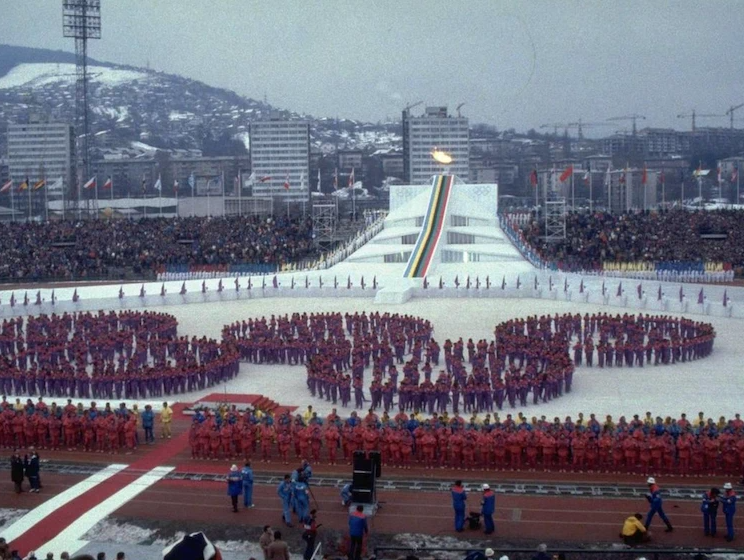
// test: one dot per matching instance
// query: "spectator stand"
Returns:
(678, 246)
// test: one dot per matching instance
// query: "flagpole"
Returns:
(591, 194)
(175, 189)
(112, 189)
(98, 214)
(12, 205)
(240, 192)
(573, 192)
(160, 197)
(223, 193)
(28, 188)
(46, 202)
(738, 200)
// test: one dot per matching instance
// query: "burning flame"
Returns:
(441, 157)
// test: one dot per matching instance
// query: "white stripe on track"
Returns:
(70, 538)
(53, 504)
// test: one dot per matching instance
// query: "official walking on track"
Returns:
(654, 499)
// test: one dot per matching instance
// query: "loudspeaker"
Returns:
(364, 472)
(376, 458)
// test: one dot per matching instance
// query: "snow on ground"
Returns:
(711, 385)
(8, 516)
(40, 74)
(112, 536)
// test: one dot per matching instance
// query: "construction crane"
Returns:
(461, 104)
(632, 117)
(556, 126)
(695, 115)
(580, 125)
(731, 110)
(408, 108)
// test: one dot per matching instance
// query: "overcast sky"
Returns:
(514, 64)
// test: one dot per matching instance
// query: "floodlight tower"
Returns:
(81, 20)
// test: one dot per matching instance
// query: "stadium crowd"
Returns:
(533, 357)
(656, 237)
(87, 249)
(108, 355)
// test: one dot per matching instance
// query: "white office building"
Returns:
(435, 129)
(41, 150)
(280, 156)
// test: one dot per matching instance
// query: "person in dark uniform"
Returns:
(459, 497)
(709, 507)
(32, 467)
(234, 486)
(358, 528)
(488, 507)
(17, 471)
(729, 509)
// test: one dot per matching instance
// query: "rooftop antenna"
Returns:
(458, 110)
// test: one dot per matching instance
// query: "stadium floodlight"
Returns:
(81, 20)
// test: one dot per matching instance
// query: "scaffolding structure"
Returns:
(555, 220)
(325, 221)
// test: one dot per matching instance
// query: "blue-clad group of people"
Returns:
(294, 492)
(487, 507)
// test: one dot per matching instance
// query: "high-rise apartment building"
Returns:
(41, 150)
(435, 129)
(280, 159)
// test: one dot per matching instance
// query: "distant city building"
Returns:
(280, 159)
(392, 164)
(435, 129)
(40, 150)
(627, 191)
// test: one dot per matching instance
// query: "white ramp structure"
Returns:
(434, 229)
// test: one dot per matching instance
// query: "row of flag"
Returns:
(92, 183)
(699, 172)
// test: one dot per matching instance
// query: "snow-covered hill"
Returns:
(42, 74)
(163, 110)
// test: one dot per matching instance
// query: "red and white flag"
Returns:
(286, 181)
(91, 184)
(566, 173)
(644, 177)
(351, 178)
(264, 179)
(335, 179)
(533, 178)
(175, 185)
(718, 171)
(734, 174)
(7, 186)
(108, 184)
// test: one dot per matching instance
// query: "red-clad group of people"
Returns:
(73, 427)
(641, 445)
(130, 354)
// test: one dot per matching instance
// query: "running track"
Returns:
(135, 489)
